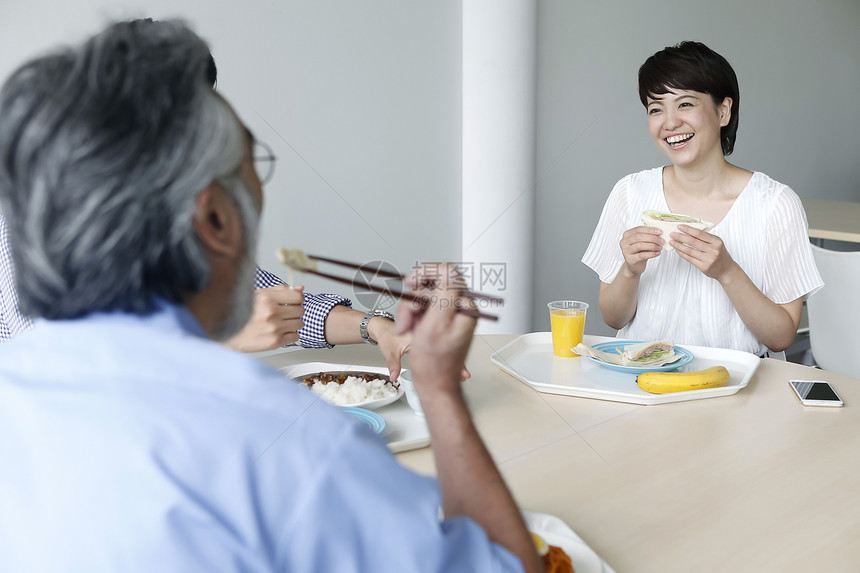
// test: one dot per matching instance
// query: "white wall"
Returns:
(499, 73)
(798, 64)
(360, 101)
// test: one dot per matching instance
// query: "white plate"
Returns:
(556, 532)
(530, 359)
(300, 371)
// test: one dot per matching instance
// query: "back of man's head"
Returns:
(103, 150)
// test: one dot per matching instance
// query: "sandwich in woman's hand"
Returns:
(668, 223)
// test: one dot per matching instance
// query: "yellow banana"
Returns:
(665, 382)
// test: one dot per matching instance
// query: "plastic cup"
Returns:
(567, 319)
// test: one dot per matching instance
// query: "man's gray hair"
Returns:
(103, 151)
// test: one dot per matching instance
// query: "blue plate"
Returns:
(613, 345)
(372, 419)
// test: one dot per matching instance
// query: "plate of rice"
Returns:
(347, 385)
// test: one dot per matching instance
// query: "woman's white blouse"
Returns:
(765, 232)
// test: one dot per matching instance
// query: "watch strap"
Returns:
(362, 327)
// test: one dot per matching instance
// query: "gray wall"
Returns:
(798, 64)
(360, 101)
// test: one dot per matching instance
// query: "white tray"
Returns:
(529, 358)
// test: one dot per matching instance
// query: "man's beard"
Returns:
(241, 300)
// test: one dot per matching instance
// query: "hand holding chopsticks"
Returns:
(300, 261)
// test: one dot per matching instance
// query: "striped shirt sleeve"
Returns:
(12, 322)
(317, 308)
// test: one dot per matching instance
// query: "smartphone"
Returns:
(815, 393)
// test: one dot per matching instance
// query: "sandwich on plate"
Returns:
(649, 354)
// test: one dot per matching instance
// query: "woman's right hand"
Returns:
(640, 244)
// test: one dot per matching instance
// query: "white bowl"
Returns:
(411, 395)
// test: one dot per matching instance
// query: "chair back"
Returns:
(834, 312)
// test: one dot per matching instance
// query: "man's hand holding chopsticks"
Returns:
(441, 335)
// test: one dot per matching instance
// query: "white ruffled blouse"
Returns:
(765, 232)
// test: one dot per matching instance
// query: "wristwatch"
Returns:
(362, 327)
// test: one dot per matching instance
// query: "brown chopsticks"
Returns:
(393, 275)
(404, 295)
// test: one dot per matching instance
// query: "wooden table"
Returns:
(752, 482)
(834, 220)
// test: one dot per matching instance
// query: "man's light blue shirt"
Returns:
(133, 443)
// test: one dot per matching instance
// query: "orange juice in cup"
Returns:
(567, 319)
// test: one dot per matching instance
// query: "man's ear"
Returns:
(218, 222)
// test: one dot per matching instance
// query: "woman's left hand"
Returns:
(704, 250)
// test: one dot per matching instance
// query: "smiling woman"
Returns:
(685, 74)
(738, 284)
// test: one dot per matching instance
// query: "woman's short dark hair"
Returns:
(693, 66)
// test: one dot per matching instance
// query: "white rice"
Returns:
(353, 391)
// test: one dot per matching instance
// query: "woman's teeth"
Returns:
(678, 139)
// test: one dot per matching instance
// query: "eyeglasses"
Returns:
(264, 161)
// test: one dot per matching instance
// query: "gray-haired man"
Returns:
(132, 442)
(282, 315)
